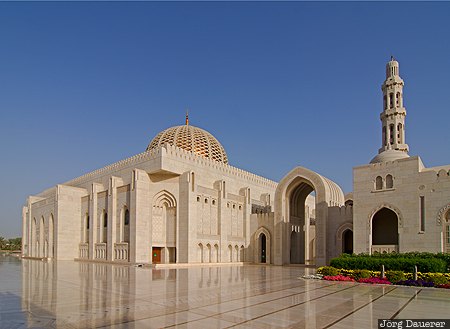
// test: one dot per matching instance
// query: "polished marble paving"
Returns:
(65, 294)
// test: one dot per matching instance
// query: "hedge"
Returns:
(405, 264)
(415, 254)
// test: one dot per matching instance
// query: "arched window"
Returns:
(389, 181)
(397, 100)
(126, 225)
(399, 133)
(126, 218)
(391, 134)
(379, 183)
(105, 228)
(86, 231)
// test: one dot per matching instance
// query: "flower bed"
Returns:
(374, 281)
(438, 280)
(338, 278)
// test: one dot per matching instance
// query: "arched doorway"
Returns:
(301, 222)
(347, 242)
(301, 225)
(384, 231)
(164, 228)
(262, 247)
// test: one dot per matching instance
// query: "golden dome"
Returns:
(191, 139)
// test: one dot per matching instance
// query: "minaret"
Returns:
(393, 116)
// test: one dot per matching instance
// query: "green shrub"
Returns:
(361, 274)
(327, 271)
(393, 262)
(395, 276)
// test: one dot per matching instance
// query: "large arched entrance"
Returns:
(302, 224)
(164, 229)
(302, 199)
(384, 231)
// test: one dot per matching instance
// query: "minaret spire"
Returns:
(394, 113)
(187, 117)
(393, 116)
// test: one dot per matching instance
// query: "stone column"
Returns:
(112, 218)
(140, 221)
(93, 237)
(186, 231)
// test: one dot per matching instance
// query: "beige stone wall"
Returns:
(411, 181)
(210, 208)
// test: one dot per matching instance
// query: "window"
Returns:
(105, 220)
(379, 183)
(214, 202)
(198, 199)
(87, 222)
(389, 181)
(422, 214)
(126, 217)
(391, 133)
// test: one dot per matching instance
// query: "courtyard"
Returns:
(69, 294)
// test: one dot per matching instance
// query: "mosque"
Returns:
(180, 201)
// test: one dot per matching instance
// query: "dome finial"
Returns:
(187, 117)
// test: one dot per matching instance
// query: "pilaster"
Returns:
(140, 239)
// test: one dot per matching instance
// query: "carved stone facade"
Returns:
(181, 202)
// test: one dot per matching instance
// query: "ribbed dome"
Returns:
(191, 139)
(389, 155)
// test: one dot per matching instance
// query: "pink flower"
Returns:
(374, 281)
(337, 278)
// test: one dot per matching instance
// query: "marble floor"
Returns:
(65, 294)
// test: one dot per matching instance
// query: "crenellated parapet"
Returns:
(176, 153)
(179, 153)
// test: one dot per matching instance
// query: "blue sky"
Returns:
(279, 84)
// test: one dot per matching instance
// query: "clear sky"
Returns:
(83, 85)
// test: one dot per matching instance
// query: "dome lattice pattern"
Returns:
(191, 139)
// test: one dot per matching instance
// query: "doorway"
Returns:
(156, 255)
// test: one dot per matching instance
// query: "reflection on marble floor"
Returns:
(64, 294)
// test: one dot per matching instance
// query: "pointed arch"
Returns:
(262, 243)
(164, 198)
(341, 235)
(164, 223)
(384, 225)
(388, 206)
(296, 186)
